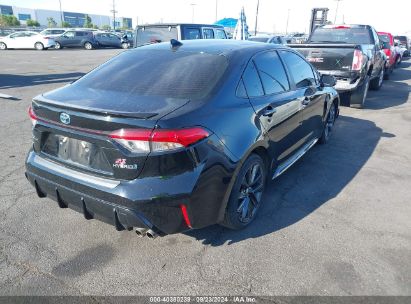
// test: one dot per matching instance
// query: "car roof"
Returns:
(331, 26)
(225, 47)
(184, 24)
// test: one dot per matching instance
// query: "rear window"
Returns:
(149, 35)
(147, 72)
(341, 35)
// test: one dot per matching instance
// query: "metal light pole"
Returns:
(256, 18)
(216, 10)
(61, 14)
(336, 10)
(114, 15)
(192, 14)
(288, 19)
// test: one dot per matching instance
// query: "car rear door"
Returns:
(275, 102)
(208, 33)
(114, 40)
(309, 93)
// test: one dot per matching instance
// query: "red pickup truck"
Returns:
(389, 50)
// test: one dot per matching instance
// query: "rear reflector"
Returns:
(357, 60)
(145, 140)
(185, 215)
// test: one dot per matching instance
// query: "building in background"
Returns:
(73, 18)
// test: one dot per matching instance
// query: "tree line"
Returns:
(11, 20)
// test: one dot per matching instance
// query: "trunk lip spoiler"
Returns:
(42, 101)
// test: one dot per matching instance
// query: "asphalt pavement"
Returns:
(337, 223)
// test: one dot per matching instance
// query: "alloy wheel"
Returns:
(330, 121)
(251, 192)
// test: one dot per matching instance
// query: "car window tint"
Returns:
(241, 92)
(148, 35)
(192, 33)
(300, 70)
(220, 34)
(252, 81)
(189, 75)
(69, 34)
(272, 73)
(208, 33)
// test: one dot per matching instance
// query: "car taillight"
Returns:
(388, 52)
(144, 141)
(341, 27)
(357, 60)
(32, 116)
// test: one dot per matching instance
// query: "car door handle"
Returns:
(269, 111)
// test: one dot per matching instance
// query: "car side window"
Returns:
(208, 33)
(220, 34)
(299, 69)
(17, 35)
(192, 33)
(272, 73)
(252, 81)
(69, 34)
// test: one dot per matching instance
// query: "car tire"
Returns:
(376, 83)
(58, 46)
(124, 45)
(88, 46)
(246, 194)
(329, 123)
(358, 98)
(39, 46)
(3, 46)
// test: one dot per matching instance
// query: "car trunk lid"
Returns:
(74, 131)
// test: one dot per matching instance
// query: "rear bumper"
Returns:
(150, 202)
(146, 203)
(345, 82)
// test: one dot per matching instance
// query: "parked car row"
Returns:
(61, 38)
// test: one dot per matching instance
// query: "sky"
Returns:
(272, 13)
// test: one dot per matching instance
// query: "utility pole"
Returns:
(288, 19)
(336, 10)
(216, 10)
(61, 14)
(256, 18)
(192, 13)
(114, 15)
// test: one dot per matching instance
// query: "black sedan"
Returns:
(177, 136)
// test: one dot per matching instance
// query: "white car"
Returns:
(400, 50)
(26, 40)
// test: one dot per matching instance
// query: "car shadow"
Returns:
(393, 93)
(313, 181)
(8, 81)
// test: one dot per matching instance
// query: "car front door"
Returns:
(309, 92)
(275, 103)
(16, 40)
(67, 39)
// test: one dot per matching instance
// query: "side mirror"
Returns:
(396, 44)
(328, 81)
